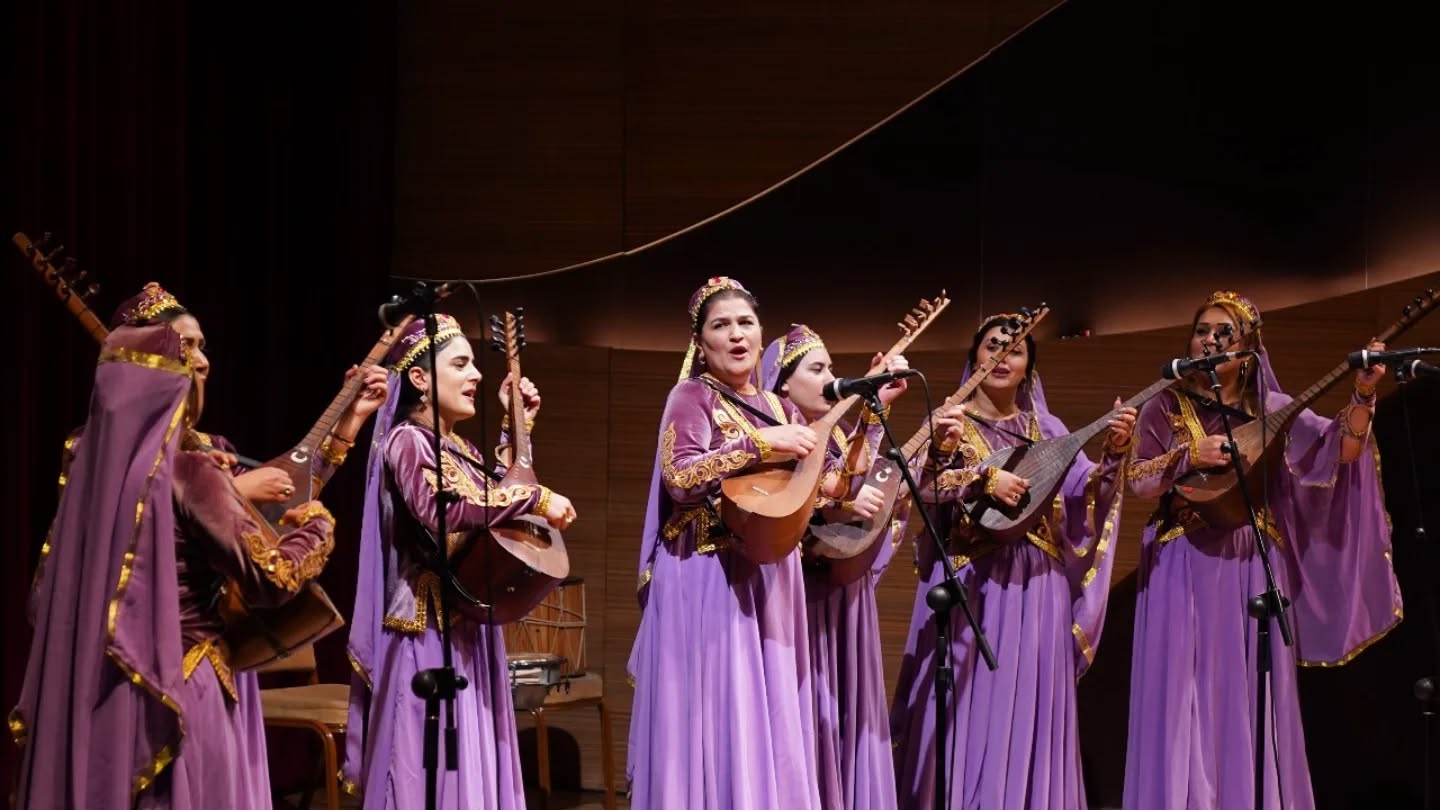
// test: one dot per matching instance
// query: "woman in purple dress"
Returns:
(394, 633)
(854, 762)
(125, 609)
(1192, 682)
(1040, 601)
(721, 658)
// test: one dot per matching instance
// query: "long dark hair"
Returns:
(991, 323)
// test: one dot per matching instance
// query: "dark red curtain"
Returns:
(239, 155)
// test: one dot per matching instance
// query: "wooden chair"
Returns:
(584, 690)
(321, 708)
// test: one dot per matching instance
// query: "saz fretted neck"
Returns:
(502, 574)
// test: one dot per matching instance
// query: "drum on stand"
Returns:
(532, 676)
(556, 627)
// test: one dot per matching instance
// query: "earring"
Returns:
(424, 398)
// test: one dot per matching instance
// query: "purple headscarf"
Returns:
(1031, 394)
(786, 351)
(378, 561)
(100, 714)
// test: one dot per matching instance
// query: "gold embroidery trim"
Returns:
(645, 577)
(869, 417)
(1187, 520)
(312, 512)
(162, 759)
(1150, 467)
(459, 481)
(18, 731)
(427, 592)
(1191, 423)
(284, 573)
(218, 654)
(542, 503)
(1083, 642)
(701, 472)
(704, 519)
(158, 362)
(359, 670)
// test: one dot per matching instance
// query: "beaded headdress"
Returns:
(414, 342)
(1237, 303)
(150, 303)
(785, 351)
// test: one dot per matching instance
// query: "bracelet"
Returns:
(992, 480)
(335, 455)
(529, 424)
(1350, 432)
(542, 504)
(315, 510)
(761, 446)
(1123, 448)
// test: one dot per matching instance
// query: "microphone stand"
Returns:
(438, 684)
(1424, 689)
(942, 599)
(1266, 606)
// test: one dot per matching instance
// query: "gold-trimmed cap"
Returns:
(414, 342)
(150, 303)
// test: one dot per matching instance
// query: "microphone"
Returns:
(417, 303)
(1420, 368)
(1366, 358)
(841, 387)
(1177, 368)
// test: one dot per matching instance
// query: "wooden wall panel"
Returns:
(510, 141)
(534, 136)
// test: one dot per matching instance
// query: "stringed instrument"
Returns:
(255, 636)
(299, 461)
(1215, 494)
(845, 551)
(1044, 464)
(501, 575)
(768, 509)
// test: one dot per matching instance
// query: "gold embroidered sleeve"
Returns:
(471, 492)
(709, 467)
(1149, 468)
(285, 572)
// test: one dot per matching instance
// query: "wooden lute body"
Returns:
(502, 574)
(1045, 465)
(768, 508)
(845, 551)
